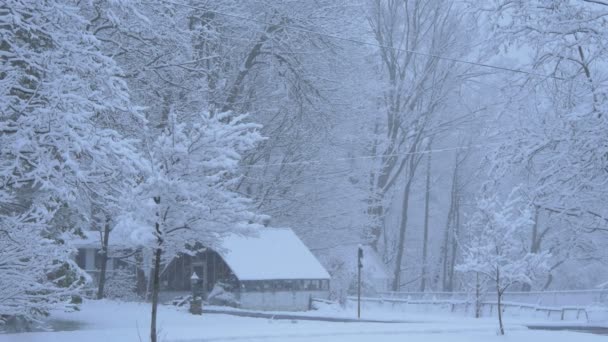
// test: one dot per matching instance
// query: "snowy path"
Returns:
(117, 322)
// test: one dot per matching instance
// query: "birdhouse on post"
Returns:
(196, 304)
(360, 257)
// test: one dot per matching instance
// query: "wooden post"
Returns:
(359, 266)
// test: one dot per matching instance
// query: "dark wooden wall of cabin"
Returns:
(208, 265)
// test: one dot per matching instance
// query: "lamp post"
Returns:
(196, 304)
(359, 267)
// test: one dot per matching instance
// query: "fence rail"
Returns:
(542, 298)
(486, 307)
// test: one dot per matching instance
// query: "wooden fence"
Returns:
(542, 298)
(488, 307)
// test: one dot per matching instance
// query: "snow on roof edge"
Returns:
(280, 250)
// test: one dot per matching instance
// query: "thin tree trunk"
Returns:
(477, 296)
(446, 235)
(425, 237)
(444, 249)
(452, 264)
(550, 276)
(156, 274)
(534, 244)
(375, 211)
(104, 259)
(248, 64)
(403, 225)
(401, 243)
(155, 291)
(499, 303)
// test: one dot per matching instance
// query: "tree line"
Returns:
(423, 129)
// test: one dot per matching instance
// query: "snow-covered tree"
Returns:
(185, 201)
(57, 94)
(495, 246)
(555, 125)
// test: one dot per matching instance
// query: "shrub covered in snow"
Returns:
(222, 294)
(121, 283)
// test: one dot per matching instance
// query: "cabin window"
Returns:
(285, 285)
(251, 286)
(309, 285)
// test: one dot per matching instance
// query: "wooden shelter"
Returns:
(271, 270)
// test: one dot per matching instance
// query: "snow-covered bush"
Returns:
(121, 283)
(222, 294)
(344, 281)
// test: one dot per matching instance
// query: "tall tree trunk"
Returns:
(156, 274)
(534, 244)
(445, 247)
(477, 296)
(425, 238)
(104, 259)
(250, 61)
(375, 209)
(409, 172)
(155, 291)
(401, 243)
(453, 254)
(499, 303)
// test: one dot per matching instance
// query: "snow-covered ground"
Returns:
(116, 322)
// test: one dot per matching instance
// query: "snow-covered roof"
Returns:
(90, 239)
(273, 253)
